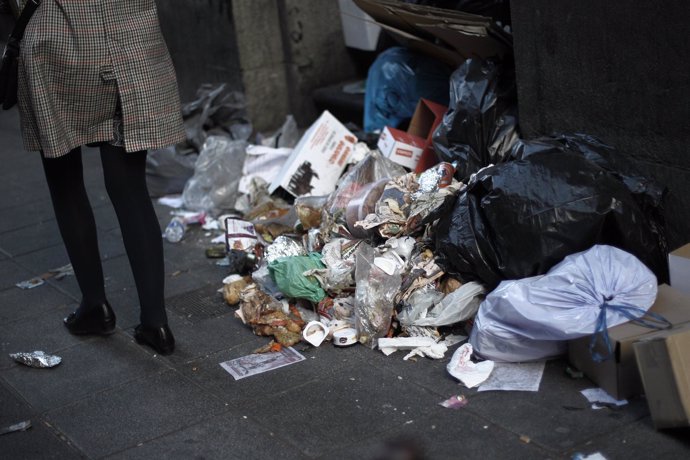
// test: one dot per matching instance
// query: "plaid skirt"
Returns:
(78, 59)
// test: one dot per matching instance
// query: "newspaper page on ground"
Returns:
(514, 377)
(258, 363)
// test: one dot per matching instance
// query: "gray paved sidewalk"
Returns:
(111, 398)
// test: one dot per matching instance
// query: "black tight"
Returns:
(125, 182)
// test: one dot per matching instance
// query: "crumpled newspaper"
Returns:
(38, 359)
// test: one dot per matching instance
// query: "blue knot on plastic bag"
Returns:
(634, 314)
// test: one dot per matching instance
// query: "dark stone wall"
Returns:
(619, 70)
(201, 37)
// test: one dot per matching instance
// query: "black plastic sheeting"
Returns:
(558, 196)
(480, 126)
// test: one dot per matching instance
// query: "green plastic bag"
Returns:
(287, 272)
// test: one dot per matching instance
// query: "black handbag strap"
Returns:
(27, 12)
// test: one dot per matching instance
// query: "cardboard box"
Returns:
(401, 147)
(619, 376)
(663, 360)
(318, 159)
(679, 268)
(414, 149)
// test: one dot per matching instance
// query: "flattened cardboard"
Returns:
(444, 34)
(619, 376)
(679, 268)
(664, 364)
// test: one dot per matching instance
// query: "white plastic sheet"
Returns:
(531, 319)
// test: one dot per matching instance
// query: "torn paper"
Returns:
(258, 363)
(600, 399)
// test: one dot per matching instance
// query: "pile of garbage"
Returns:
(519, 244)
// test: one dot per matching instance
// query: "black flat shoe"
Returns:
(159, 338)
(95, 321)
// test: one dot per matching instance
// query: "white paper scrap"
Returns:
(469, 373)
(172, 201)
(258, 363)
(389, 345)
(600, 399)
(515, 377)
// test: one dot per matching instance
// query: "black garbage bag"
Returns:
(648, 194)
(480, 126)
(519, 218)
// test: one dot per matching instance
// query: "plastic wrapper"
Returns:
(396, 81)
(37, 359)
(262, 277)
(532, 318)
(372, 168)
(309, 209)
(215, 111)
(339, 257)
(460, 305)
(216, 175)
(276, 221)
(374, 294)
(518, 219)
(286, 136)
(480, 125)
(313, 240)
(288, 273)
(168, 170)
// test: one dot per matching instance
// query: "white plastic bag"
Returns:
(216, 175)
(457, 306)
(531, 319)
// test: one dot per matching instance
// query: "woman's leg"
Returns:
(77, 225)
(125, 181)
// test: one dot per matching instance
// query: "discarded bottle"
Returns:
(175, 230)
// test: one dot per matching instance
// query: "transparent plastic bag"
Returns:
(168, 170)
(374, 296)
(216, 175)
(457, 306)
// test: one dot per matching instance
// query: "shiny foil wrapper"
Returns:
(37, 359)
(284, 247)
(428, 180)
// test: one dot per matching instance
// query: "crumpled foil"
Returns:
(284, 247)
(428, 181)
(37, 359)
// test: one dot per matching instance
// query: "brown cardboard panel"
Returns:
(619, 376)
(439, 52)
(468, 44)
(664, 366)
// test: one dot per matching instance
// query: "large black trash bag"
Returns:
(480, 125)
(648, 194)
(520, 218)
